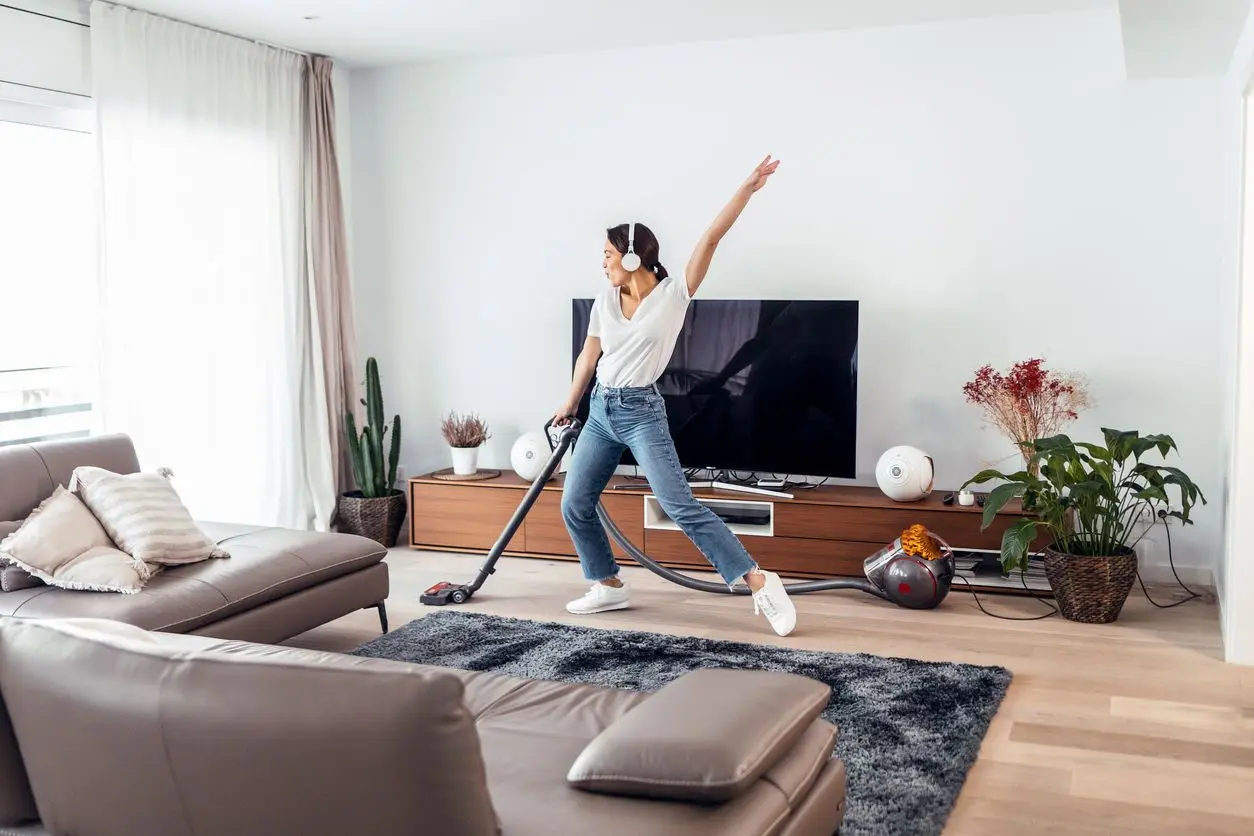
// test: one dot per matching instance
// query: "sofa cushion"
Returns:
(144, 516)
(221, 533)
(672, 746)
(269, 563)
(225, 737)
(63, 544)
(167, 602)
(527, 779)
(265, 564)
(566, 709)
(324, 554)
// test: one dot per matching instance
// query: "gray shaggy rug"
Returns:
(909, 730)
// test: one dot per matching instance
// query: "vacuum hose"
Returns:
(709, 586)
(568, 436)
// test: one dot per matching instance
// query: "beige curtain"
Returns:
(330, 284)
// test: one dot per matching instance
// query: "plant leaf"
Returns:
(1152, 493)
(983, 476)
(1015, 543)
(1097, 451)
(1120, 442)
(1164, 443)
(997, 499)
(1054, 444)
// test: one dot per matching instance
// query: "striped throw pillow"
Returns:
(145, 517)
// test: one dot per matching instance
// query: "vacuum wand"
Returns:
(444, 592)
(915, 571)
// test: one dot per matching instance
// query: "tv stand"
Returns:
(826, 531)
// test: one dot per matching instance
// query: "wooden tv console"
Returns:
(822, 532)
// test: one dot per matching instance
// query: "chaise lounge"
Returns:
(201, 736)
(277, 583)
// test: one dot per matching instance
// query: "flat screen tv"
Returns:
(765, 386)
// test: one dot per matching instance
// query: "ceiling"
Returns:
(1161, 37)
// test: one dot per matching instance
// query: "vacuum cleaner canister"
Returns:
(914, 571)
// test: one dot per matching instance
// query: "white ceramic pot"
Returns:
(465, 460)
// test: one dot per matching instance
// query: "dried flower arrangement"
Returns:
(1028, 402)
(464, 430)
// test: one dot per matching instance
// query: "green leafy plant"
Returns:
(1088, 497)
(374, 476)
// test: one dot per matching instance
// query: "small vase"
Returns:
(465, 460)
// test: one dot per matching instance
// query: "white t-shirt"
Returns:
(635, 351)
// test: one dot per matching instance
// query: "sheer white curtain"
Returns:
(206, 351)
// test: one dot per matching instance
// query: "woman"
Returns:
(631, 335)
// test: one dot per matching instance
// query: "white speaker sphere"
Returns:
(905, 473)
(529, 454)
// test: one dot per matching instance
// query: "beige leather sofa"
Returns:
(277, 583)
(108, 730)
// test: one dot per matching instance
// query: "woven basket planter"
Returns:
(1090, 589)
(378, 518)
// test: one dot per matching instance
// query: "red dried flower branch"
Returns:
(1029, 401)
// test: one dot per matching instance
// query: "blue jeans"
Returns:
(635, 419)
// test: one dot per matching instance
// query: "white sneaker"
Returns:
(773, 602)
(601, 598)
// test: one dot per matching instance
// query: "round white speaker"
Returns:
(905, 473)
(529, 454)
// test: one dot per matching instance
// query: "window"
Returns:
(48, 290)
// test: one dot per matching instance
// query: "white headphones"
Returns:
(631, 261)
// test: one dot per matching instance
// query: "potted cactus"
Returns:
(377, 508)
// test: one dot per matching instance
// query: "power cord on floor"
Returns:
(1171, 561)
(1053, 610)
(1162, 515)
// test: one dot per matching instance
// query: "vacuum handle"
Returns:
(569, 430)
(565, 439)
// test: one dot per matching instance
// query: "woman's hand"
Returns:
(699, 261)
(760, 174)
(563, 414)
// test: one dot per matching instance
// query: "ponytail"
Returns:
(660, 271)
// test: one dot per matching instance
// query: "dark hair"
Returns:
(646, 246)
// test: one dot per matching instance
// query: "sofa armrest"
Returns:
(705, 737)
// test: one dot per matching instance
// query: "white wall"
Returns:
(981, 187)
(1235, 583)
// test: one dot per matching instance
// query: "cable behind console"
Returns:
(1162, 515)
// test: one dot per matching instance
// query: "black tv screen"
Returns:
(764, 386)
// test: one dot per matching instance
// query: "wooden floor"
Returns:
(1131, 728)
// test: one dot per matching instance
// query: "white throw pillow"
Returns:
(64, 545)
(12, 576)
(144, 515)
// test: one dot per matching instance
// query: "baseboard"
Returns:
(1159, 578)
